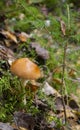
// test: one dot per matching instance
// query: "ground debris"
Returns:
(5, 126)
(24, 120)
(41, 52)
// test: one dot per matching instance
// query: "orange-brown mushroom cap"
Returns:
(26, 69)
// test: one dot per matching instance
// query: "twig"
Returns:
(63, 88)
(63, 85)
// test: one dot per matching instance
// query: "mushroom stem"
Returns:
(32, 86)
(24, 82)
(24, 99)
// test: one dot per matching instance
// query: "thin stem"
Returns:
(64, 67)
(68, 12)
(63, 81)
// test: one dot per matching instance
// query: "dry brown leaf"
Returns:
(7, 43)
(22, 128)
(75, 127)
(32, 87)
(7, 54)
(57, 81)
(59, 108)
(9, 35)
(57, 70)
(2, 52)
(60, 115)
(70, 114)
(77, 112)
(63, 27)
(72, 73)
(23, 36)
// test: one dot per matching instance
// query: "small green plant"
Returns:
(57, 121)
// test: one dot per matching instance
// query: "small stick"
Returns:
(63, 81)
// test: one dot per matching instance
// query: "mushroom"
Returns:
(26, 70)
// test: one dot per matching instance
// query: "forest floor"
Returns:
(52, 42)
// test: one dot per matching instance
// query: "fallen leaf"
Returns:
(40, 104)
(60, 109)
(58, 104)
(63, 27)
(77, 112)
(75, 127)
(5, 126)
(23, 36)
(72, 73)
(57, 70)
(32, 87)
(7, 54)
(21, 128)
(9, 35)
(70, 114)
(49, 90)
(73, 104)
(7, 42)
(24, 120)
(57, 81)
(41, 52)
